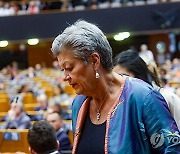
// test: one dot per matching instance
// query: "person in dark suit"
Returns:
(42, 139)
(56, 121)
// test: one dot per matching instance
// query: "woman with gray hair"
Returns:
(110, 111)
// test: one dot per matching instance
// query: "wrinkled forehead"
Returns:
(66, 56)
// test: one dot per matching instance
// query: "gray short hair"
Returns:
(84, 38)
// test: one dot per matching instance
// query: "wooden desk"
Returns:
(4, 105)
(10, 146)
(70, 135)
(33, 113)
(30, 107)
(2, 114)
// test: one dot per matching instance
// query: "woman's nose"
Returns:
(66, 77)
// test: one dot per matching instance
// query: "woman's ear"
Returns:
(95, 60)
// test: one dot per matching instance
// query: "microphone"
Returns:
(16, 99)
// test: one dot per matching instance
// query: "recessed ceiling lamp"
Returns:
(121, 36)
(3, 43)
(33, 41)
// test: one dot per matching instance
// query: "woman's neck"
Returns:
(101, 103)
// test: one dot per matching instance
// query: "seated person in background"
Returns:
(56, 121)
(55, 65)
(25, 88)
(43, 103)
(16, 117)
(42, 139)
(54, 106)
(145, 53)
(130, 63)
(59, 94)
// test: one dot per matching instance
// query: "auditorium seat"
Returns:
(69, 90)
(48, 90)
(68, 124)
(30, 107)
(4, 96)
(70, 134)
(16, 142)
(4, 105)
(2, 114)
(29, 99)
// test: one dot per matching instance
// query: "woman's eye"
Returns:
(68, 69)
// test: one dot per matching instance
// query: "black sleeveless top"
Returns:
(92, 138)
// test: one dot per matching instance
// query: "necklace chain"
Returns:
(98, 113)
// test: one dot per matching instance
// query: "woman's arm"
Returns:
(159, 124)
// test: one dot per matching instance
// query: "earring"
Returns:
(97, 75)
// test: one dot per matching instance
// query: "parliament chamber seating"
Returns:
(16, 142)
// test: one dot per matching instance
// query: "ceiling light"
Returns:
(3, 43)
(33, 41)
(121, 36)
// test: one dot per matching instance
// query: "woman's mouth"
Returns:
(73, 85)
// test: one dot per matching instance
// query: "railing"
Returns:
(34, 7)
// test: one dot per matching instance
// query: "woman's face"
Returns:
(79, 75)
(16, 109)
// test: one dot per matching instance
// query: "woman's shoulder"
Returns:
(138, 91)
(78, 101)
(76, 105)
(79, 98)
(137, 85)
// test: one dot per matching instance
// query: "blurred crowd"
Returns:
(43, 88)
(170, 75)
(33, 94)
(168, 71)
(20, 7)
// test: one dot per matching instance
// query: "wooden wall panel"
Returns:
(40, 54)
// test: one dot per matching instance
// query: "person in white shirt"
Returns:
(145, 53)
